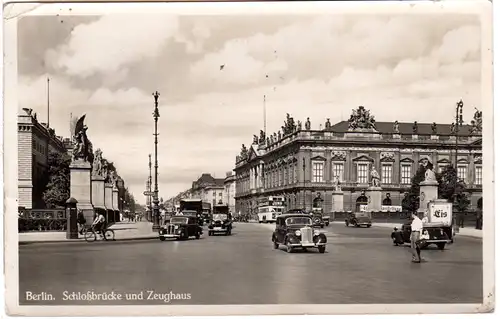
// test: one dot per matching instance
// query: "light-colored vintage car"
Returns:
(359, 219)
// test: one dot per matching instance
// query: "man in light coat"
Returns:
(416, 231)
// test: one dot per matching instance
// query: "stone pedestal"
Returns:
(434, 137)
(338, 201)
(98, 196)
(414, 137)
(116, 207)
(108, 202)
(428, 192)
(81, 189)
(374, 195)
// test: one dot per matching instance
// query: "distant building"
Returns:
(230, 190)
(35, 142)
(301, 164)
(209, 189)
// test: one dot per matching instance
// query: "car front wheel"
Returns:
(197, 236)
(346, 223)
(289, 247)
(276, 245)
(321, 249)
(441, 245)
(162, 238)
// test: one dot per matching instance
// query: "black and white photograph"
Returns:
(248, 158)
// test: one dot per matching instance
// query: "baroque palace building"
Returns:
(35, 142)
(301, 164)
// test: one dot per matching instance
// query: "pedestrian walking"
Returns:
(416, 231)
(461, 219)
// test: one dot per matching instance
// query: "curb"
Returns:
(82, 240)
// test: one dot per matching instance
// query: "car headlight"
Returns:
(176, 227)
(316, 232)
(297, 233)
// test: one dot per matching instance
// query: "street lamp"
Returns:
(459, 121)
(156, 211)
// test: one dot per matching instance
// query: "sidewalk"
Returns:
(467, 231)
(124, 231)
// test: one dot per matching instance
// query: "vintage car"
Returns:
(320, 219)
(220, 223)
(296, 231)
(181, 227)
(192, 213)
(359, 219)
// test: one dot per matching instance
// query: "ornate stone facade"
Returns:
(306, 162)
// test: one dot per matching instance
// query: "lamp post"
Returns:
(156, 212)
(304, 181)
(459, 121)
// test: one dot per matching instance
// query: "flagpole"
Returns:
(264, 115)
(48, 102)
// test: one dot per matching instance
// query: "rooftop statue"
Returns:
(328, 124)
(244, 151)
(308, 125)
(477, 122)
(262, 137)
(83, 147)
(361, 119)
(299, 125)
(434, 128)
(415, 127)
(255, 140)
(395, 127)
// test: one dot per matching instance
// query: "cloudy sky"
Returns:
(401, 67)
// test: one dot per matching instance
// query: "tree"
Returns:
(57, 190)
(453, 189)
(411, 201)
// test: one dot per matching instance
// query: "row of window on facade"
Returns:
(386, 175)
(288, 174)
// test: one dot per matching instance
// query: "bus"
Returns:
(269, 208)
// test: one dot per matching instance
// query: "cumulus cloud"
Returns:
(112, 42)
(318, 68)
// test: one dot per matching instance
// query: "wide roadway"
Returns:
(360, 266)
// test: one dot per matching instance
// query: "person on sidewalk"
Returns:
(416, 230)
(80, 219)
(99, 224)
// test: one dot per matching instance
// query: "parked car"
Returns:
(181, 227)
(296, 231)
(359, 219)
(220, 223)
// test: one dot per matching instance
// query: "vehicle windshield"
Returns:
(298, 221)
(219, 216)
(179, 220)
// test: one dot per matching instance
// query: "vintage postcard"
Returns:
(248, 158)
